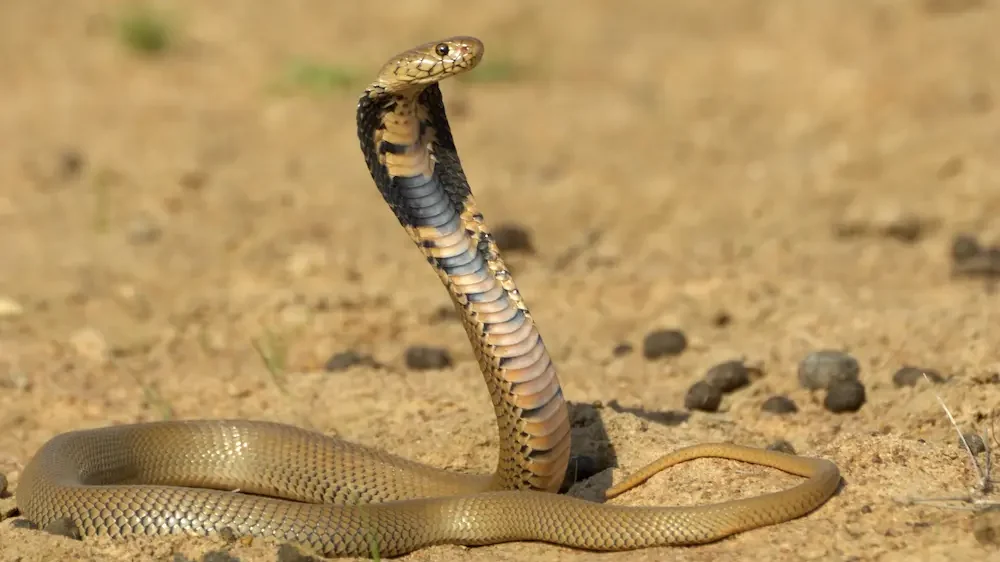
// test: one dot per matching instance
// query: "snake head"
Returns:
(430, 63)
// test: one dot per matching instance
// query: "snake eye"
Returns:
(441, 49)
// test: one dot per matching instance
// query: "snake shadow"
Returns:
(592, 452)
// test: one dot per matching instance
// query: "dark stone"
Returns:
(228, 535)
(23, 523)
(703, 396)
(288, 553)
(622, 349)
(964, 247)
(344, 360)
(421, 358)
(63, 527)
(779, 405)
(663, 343)
(822, 368)
(728, 376)
(975, 441)
(910, 376)
(845, 396)
(781, 446)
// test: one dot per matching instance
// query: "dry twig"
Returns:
(977, 498)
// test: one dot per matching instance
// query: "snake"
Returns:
(338, 498)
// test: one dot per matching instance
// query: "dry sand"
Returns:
(672, 160)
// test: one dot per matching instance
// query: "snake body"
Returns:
(341, 498)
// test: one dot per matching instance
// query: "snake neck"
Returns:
(411, 155)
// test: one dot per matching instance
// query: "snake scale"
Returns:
(340, 498)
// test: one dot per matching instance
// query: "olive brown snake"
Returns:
(343, 499)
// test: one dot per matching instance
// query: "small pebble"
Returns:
(133, 301)
(722, 319)
(143, 230)
(90, 344)
(345, 360)
(985, 264)
(906, 229)
(63, 527)
(420, 358)
(444, 313)
(728, 376)
(779, 405)
(986, 528)
(513, 238)
(910, 376)
(294, 315)
(218, 556)
(70, 164)
(193, 180)
(820, 369)
(703, 396)
(23, 523)
(228, 534)
(288, 553)
(670, 418)
(10, 307)
(845, 396)
(964, 247)
(306, 260)
(3, 485)
(781, 446)
(975, 441)
(663, 343)
(622, 349)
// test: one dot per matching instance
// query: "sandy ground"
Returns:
(672, 161)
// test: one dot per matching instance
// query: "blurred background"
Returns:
(188, 229)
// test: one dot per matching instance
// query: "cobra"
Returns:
(341, 498)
